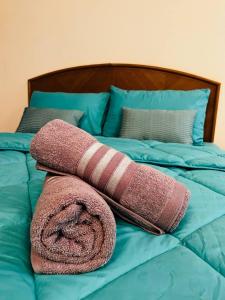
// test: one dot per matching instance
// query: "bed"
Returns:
(187, 264)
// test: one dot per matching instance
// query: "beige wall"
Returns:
(46, 35)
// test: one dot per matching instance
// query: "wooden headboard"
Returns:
(98, 78)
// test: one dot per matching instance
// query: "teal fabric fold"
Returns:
(206, 156)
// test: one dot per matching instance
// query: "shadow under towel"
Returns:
(73, 229)
(138, 193)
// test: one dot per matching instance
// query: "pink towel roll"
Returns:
(146, 193)
(73, 228)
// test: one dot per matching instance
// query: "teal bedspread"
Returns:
(189, 264)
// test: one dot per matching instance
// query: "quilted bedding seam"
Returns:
(125, 273)
(191, 250)
(152, 258)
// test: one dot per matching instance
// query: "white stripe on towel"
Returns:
(102, 164)
(117, 175)
(86, 158)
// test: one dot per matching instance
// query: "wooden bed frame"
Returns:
(98, 78)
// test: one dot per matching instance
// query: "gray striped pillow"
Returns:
(174, 126)
(34, 118)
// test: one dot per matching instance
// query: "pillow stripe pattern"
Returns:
(175, 126)
(35, 118)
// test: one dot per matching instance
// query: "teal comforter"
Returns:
(189, 264)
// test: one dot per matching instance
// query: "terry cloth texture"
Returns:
(142, 190)
(73, 228)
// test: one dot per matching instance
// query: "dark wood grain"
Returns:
(98, 78)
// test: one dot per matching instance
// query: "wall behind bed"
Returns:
(41, 36)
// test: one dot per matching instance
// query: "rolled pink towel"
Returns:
(73, 228)
(152, 198)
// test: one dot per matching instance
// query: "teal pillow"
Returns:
(92, 104)
(34, 118)
(161, 100)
